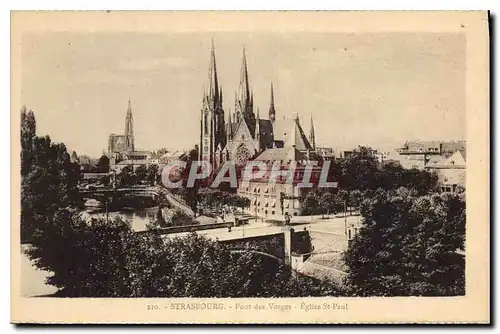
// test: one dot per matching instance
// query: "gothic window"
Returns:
(242, 155)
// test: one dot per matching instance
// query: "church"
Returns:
(121, 147)
(245, 136)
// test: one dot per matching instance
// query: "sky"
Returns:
(371, 89)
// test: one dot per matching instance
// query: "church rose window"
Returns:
(242, 155)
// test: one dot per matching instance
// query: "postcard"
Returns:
(250, 167)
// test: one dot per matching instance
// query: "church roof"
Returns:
(291, 133)
(266, 127)
(281, 154)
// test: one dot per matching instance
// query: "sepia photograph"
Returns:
(247, 169)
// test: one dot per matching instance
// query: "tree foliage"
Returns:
(213, 198)
(49, 179)
(102, 165)
(408, 245)
(107, 259)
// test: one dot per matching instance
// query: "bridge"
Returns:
(108, 194)
(312, 247)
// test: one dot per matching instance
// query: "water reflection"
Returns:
(138, 218)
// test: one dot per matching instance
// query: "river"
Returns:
(138, 218)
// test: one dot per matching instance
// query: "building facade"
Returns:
(121, 147)
(451, 171)
(281, 197)
(245, 136)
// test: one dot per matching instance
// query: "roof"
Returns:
(456, 160)
(137, 152)
(133, 162)
(281, 154)
(452, 146)
(291, 132)
(435, 160)
(266, 132)
(420, 146)
(174, 154)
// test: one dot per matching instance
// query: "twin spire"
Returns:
(244, 88)
(213, 83)
(244, 95)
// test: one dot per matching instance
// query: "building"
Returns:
(272, 200)
(451, 170)
(118, 143)
(418, 153)
(246, 136)
(121, 148)
(327, 153)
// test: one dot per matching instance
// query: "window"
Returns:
(272, 212)
(295, 213)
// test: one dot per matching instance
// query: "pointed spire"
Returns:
(244, 88)
(213, 85)
(257, 126)
(129, 128)
(272, 110)
(312, 139)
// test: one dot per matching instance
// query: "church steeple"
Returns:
(244, 87)
(312, 139)
(272, 111)
(213, 84)
(243, 106)
(212, 127)
(129, 128)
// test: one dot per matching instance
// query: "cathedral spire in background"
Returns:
(272, 111)
(129, 128)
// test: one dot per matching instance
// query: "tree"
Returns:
(28, 135)
(102, 165)
(49, 180)
(310, 204)
(422, 181)
(191, 193)
(408, 246)
(327, 203)
(127, 177)
(355, 198)
(105, 180)
(360, 170)
(87, 259)
(113, 261)
(392, 176)
(142, 173)
(152, 174)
